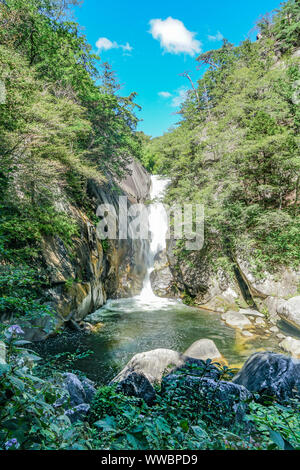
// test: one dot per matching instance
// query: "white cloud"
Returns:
(164, 94)
(180, 97)
(105, 44)
(174, 37)
(218, 37)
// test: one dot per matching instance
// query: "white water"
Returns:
(158, 227)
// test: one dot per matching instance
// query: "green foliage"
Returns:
(29, 418)
(179, 420)
(63, 125)
(278, 425)
(20, 294)
(236, 149)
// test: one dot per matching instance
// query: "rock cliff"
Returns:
(82, 278)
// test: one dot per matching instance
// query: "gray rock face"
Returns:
(161, 277)
(289, 311)
(82, 284)
(203, 349)
(291, 346)
(195, 276)
(79, 391)
(154, 364)
(236, 320)
(280, 285)
(271, 374)
(227, 398)
(137, 385)
(251, 312)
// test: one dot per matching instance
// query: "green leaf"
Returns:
(276, 437)
(108, 424)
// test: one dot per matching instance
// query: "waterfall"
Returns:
(158, 227)
(147, 301)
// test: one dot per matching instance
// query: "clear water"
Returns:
(130, 327)
(147, 322)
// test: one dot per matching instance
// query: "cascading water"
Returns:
(146, 322)
(158, 227)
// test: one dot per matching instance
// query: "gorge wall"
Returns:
(82, 279)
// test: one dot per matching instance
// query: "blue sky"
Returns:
(149, 44)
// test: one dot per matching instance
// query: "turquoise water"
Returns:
(131, 326)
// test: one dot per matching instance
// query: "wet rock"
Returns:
(271, 374)
(274, 329)
(260, 322)
(289, 311)
(204, 349)
(247, 334)
(137, 385)
(250, 311)
(154, 364)
(280, 336)
(194, 275)
(291, 346)
(161, 277)
(81, 284)
(79, 390)
(236, 320)
(228, 399)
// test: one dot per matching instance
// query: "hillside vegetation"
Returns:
(63, 123)
(236, 147)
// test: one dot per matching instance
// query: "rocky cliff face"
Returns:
(192, 275)
(198, 277)
(82, 278)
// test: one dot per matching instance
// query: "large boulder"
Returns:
(236, 320)
(270, 290)
(204, 349)
(271, 374)
(137, 385)
(161, 277)
(79, 391)
(194, 275)
(289, 311)
(291, 346)
(154, 364)
(226, 399)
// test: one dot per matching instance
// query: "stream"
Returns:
(145, 322)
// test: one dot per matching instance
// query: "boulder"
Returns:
(154, 364)
(204, 349)
(77, 413)
(137, 385)
(247, 334)
(271, 374)
(236, 320)
(227, 399)
(251, 312)
(289, 311)
(283, 283)
(260, 322)
(291, 345)
(79, 391)
(161, 277)
(2, 353)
